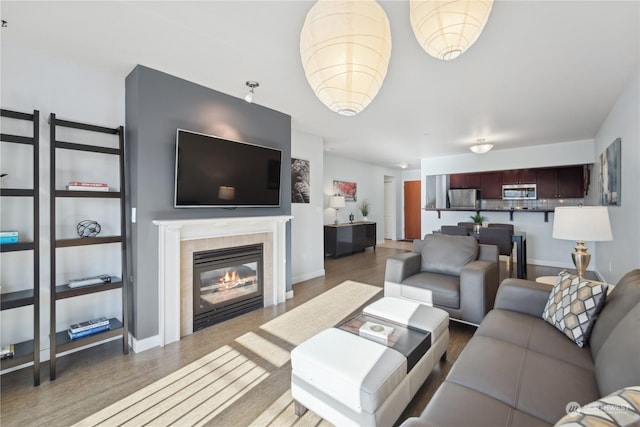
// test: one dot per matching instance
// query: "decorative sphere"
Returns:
(88, 228)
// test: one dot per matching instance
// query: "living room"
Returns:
(87, 89)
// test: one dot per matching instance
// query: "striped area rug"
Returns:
(245, 383)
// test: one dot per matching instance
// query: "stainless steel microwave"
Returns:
(519, 192)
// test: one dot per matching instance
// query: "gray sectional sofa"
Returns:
(519, 370)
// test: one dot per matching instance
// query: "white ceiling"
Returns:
(542, 71)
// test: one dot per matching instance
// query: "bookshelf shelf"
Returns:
(64, 291)
(59, 340)
(64, 343)
(15, 247)
(17, 299)
(28, 351)
(23, 353)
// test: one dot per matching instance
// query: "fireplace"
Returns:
(226, 283)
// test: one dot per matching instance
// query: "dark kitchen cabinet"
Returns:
(345, 239)
(519, 176)
(566, 182)
(491, 185)
(464, 180)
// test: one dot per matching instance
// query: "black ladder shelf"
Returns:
(59, 340)
(27, 351)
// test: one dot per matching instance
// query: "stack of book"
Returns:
(90, 327)
(87, 186)
(6, 352)
(8, 237)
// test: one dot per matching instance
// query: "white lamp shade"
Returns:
(336, 202)
(582, 223)
(445, 29)
(345, 48)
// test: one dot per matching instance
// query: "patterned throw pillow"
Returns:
(573, 306)
(620, 408)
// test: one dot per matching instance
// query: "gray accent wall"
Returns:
(156, 105)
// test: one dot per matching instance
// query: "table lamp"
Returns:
(582, 223)
(336, 202)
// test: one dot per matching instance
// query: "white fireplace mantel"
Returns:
(172, 232)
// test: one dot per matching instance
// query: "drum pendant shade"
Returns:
(445, 29)
(345, 48)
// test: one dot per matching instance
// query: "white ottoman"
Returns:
(350, 380)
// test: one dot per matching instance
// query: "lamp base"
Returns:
(336, 221)
(581, 258)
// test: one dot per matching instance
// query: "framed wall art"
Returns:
(347, 189)
(611, 174)
(300, 181)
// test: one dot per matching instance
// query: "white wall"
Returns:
(617, 257)
(307, 239)
(370, 180)
(541, 247)
(33, 80)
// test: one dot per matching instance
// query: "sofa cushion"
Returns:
(573, 306)
(526, 380)
(433, 289)
(448, 254)
(534, 334)
(620, 408)
(620, 301)
(460, 406)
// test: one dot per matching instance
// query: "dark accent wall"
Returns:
(156, 105)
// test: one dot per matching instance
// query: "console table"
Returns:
(345, 239)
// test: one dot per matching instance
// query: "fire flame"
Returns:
(230, 278)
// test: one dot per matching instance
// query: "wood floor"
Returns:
(97, 377)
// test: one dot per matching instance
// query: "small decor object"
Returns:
(376, 331)
(87, 186)
(573, 306)
(351, 217)
(300, 181)
(477, 221)
(611, 174)
(346, 189)
(364, 207)
(88, 228)
(7, 352)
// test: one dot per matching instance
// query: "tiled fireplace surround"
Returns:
(179, 239)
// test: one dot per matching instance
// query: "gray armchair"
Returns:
(454, 273)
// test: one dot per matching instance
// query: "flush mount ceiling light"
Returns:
(404, 165)
(445, 29)
(345, 48)
(252, 85)
(481, 147)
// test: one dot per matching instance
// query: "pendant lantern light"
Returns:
(445, 29)
(345, 48)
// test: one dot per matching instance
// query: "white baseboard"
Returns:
(139, 346)
(307, 276)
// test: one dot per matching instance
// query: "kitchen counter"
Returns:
(546, 211)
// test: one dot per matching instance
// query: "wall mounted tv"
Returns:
(218, 172)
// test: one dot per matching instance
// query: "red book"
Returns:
(87, 184)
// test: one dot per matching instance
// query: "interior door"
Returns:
(412, 209)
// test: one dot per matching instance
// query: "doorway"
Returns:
(389, 208)
(412, 209)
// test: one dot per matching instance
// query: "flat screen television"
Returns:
(217, 172)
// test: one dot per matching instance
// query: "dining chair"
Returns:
(502, 237)
(499, 225)
(467, 225)
(454, 230)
